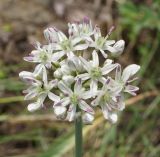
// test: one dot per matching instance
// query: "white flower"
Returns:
(74, 99)
(100, 43)
(44, 55)
(94, 72)
(69, 66)
(124, 78)
(109, 101)
(39, 89)
(69, 69)
(63, 70)
(64, 45)
(82, 29)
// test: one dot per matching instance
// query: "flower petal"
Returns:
(87, 118)
(71, 113)
(109, 42)
(34, 106)
(129, 71)
(53, 97)
(58, 73)
(57, 55)
(131, 89)
(103, 53)
(78, 86)
(97, 33)
(84, 106)
(105, 111)
(30, 59)
(96, 101)
(86, 64)
(31, 95)
(44, 76)
(103, 80)
(52, 83)
(51, 35)
(112, 117)
(59, 110)
(108, 68)
(38, 69)
(63, 102)
(119, 47)
(25, 74)
(64, 88)
(118, 73)
(68, 79)
(28, 77)
(88, 94)
(94, 86)
(121, 102)
(70, 55)
(61, 36)
(95, 59)
(76, 40)
(81, 47)
(84, 76)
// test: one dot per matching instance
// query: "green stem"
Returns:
(78, 136)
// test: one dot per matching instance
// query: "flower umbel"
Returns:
(74, 74)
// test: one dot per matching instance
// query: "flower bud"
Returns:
(59, 110)
(118, 47)
(87, 118)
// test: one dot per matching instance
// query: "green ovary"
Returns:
(96, 73)
(74, 99)
(66, 45)
(85, 30)
(100, 41)
(106, 97)
(43, 57)
(40, 89)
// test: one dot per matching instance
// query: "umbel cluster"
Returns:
(70, 73)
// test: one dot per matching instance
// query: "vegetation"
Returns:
(39, 134)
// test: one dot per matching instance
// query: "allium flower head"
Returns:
(74, 84)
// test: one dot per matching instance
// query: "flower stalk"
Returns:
(78, 136)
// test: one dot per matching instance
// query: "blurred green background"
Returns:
(39, 134)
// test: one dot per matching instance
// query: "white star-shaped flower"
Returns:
(109, 100)
(39, 89)
(95, 73)
(124, 78)
(62, 44)
(73, 99)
